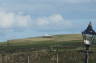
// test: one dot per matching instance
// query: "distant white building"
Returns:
(47, 36)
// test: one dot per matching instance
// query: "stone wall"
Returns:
(45, 57)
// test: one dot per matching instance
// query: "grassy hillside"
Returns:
(69, 53)
(69, 41)
(48, 41)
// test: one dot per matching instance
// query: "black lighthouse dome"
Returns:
(89, 30)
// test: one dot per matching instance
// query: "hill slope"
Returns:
(48, 41)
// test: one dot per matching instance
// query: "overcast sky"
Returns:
(30, 18)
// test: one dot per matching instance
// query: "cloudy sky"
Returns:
(30, 18)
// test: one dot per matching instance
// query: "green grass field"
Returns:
(67, 47)
(69, 41)
(53, 40)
